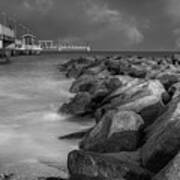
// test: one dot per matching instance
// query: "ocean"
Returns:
(31, 91)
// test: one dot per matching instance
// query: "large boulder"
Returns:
(127, 84)
(83, 84)
(137, 72)
(81, 60)
(84, 103)
(117, 131)
(90, 93)
(126, 80)
(163, 138)
(171, 171)
(75, 70)
(146, 98)
(174, 91)
(78, 105)
(133, 157)
(76, 135)
(96, 69)
(91, 84)
(125, 66)
(168, 79)
(91, 166)
(113, 66)
(176, 59)
(75, 67)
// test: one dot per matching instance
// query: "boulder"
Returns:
(137, 72)
(76, 135)
(176, 59)
(84, 103)
(78, 105)
(112, 83)
(75, 67)
(171, 171)
(132, 157)
(91, 84)
(113, 66)
(90, 93)
(94, 70)
(163, 138)
(126, 67)
(174, 91)
(73, 62)
(91, 166)
(126, 80)
(75, 70)
(127, 83)
(168, 79)
(83, 84)
(142, 97)
(117, 131)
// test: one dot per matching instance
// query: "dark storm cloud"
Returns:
(106, 24)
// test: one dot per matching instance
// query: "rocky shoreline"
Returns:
(135, 102)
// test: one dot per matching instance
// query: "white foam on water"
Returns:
(52, 116)
(41, 116)
(5, 137)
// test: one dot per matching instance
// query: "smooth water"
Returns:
(31, 91)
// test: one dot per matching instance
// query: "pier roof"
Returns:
(29, 35)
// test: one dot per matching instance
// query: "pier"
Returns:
(60, 46)
(18, 39)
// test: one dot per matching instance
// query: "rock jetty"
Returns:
(135, 103)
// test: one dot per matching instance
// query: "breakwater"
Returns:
(134, 102)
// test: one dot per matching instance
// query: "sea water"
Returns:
(31, 91)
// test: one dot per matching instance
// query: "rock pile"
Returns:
(135, 102)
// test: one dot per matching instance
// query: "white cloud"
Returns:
(114, 21)
(176, 33)
(135, 35)
(173, 9)
(42, 6)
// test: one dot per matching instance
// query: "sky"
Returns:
(104, 24)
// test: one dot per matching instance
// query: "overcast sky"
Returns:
(105, 24)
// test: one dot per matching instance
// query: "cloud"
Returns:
(173, 9)
(111, 21)
(176, 33)
(42, 6)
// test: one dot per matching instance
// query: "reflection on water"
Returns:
(31, 91)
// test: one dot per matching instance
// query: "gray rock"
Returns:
(117, 131)
(171, 171)
(168, 79)
(77, 105)
(86, 166)
(163, 138)
(142, 97)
